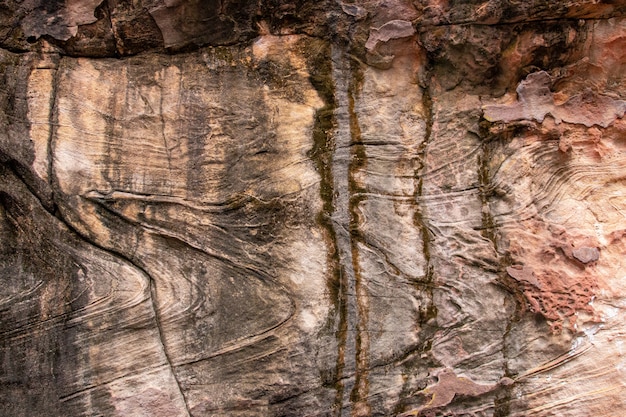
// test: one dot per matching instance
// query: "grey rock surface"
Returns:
(303, 208)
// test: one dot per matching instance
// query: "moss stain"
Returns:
(489, 231)
(419, 217)
(358, 161)
(320, 70)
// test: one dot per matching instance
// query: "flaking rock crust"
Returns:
(312, 208)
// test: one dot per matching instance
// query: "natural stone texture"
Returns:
(536, 101)
(299, 208)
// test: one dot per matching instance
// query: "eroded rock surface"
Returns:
(278, 208)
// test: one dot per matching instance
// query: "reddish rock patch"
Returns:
(556, 278)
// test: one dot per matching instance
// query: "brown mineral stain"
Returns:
(358, 162)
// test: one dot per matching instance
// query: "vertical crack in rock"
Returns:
(420, 218)
(53, 122)
(484, 184)
(322, 154)
(348, 157)
(157, 321)
(489, 231)
(347, 345)
(357, 162)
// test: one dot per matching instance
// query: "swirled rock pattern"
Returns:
(275, 208)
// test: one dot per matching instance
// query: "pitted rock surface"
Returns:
(329, 208)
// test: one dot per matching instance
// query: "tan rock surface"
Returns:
(312, 208)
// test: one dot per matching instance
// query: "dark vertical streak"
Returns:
(52, 122)
(489, 231)
(322, 152)
(484, 181)
(342, 334)
(427, 105)
(424, 287)
(357, 162)
(339, 160)
(420, 219)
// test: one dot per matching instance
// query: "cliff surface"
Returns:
(275, 208)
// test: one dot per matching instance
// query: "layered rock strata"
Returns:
(307, 208)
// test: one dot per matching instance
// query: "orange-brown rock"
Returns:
(333, 208)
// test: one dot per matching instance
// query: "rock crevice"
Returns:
(278, 208)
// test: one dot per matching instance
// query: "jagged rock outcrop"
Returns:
(274, 208)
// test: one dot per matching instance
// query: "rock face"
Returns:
(274, 208)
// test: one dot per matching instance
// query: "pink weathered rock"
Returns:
(274, 208)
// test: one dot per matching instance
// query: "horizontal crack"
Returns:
(424, 25)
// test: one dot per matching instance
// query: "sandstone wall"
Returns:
(274, 208)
